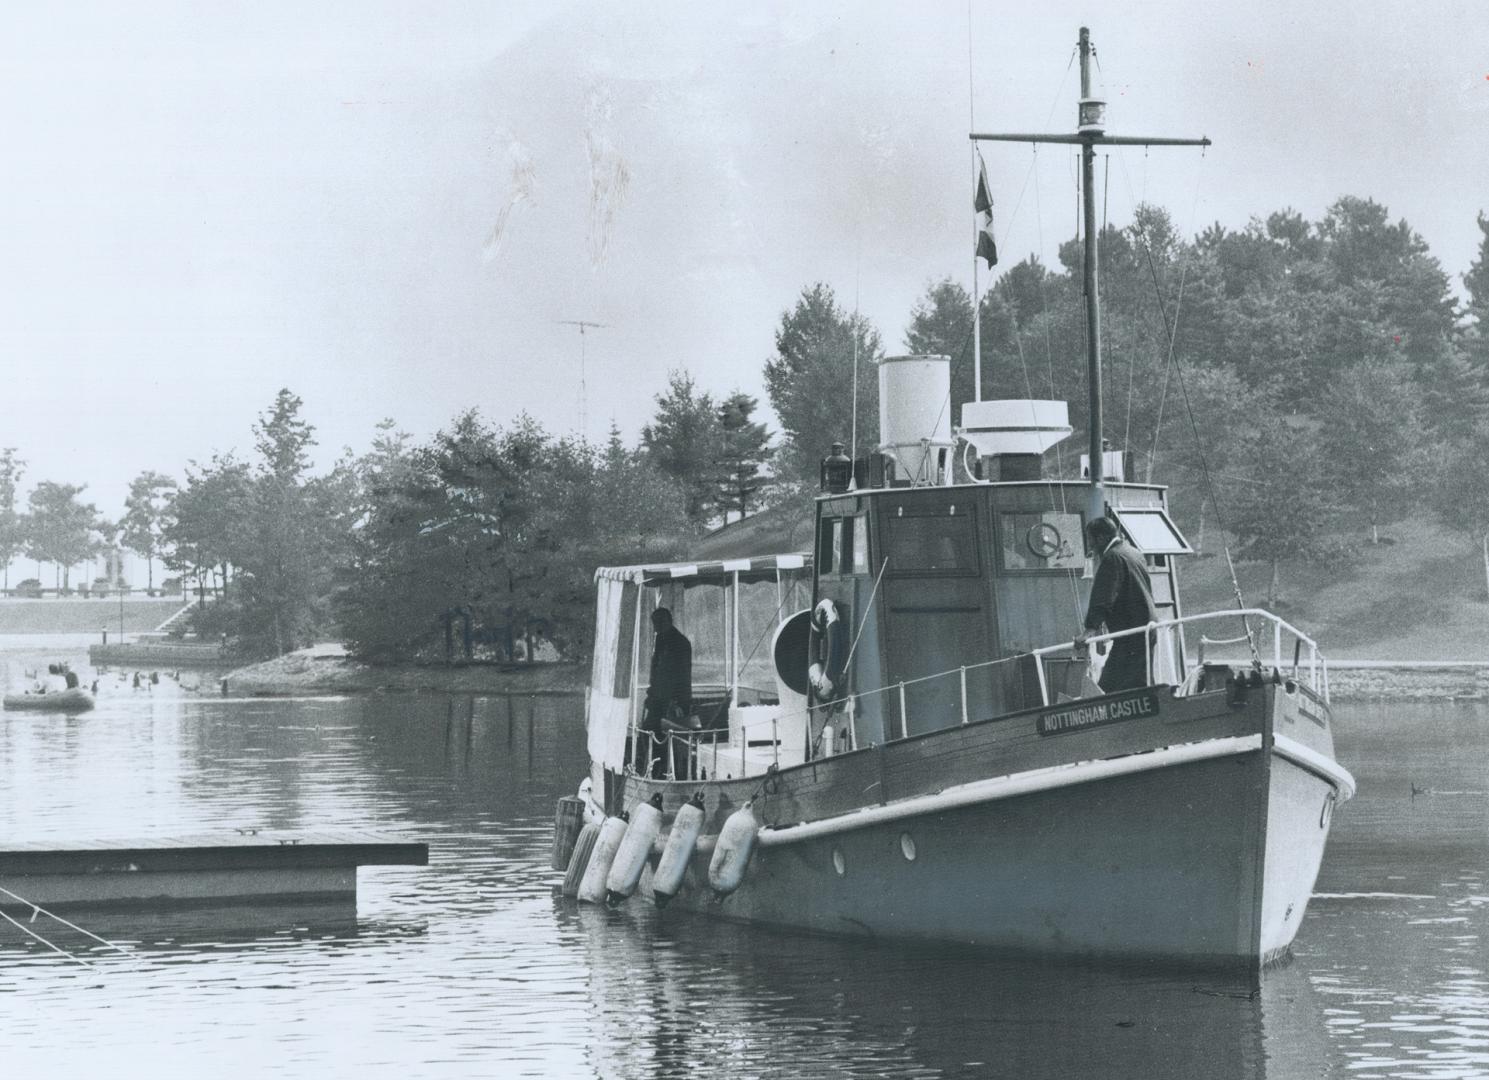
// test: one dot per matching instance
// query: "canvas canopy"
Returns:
(718, 572)
(729, 626)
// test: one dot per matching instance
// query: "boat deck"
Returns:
(239, 867)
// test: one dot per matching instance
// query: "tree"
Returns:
(638, 510)
(941, 325)
(743, 449)
(271, 530)
(682, 440)
(497, 532)
(283, 440)
(12, 539)
(1460, 492)
(384, 468)
(811, 379)
(1371, 439)
(1476, 281)
(59, 529)
(146, 511)
(286, 557)
(207, 526)
(1283, 507)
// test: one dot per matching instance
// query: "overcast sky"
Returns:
(392, 208)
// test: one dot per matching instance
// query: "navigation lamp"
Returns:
(837, 471)
(1092, 116)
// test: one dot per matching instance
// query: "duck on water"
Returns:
(903, 733)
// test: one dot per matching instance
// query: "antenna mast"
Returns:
(583, 325)
(1091, 133)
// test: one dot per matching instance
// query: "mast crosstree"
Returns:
(1089, 135)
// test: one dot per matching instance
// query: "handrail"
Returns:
(1318, 678)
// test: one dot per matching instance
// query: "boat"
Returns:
(899, 734)
(72, 700)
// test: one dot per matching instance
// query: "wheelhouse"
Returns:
(937, 579)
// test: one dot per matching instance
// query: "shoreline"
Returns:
(1409, 683)
(326, 669)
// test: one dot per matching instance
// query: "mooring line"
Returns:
(55, 948)
(37, 909)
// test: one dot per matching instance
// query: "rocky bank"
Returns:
(326, 669)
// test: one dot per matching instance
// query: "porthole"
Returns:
(907, 846)
(838, 862)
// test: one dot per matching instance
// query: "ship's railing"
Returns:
(1265, 641)
(1266, 635)
(680, 754)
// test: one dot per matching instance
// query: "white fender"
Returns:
(682, 841)
(584, 847)
(635, 849)
(592, 886)
(731, 855)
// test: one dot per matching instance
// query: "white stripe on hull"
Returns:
(1196, 852)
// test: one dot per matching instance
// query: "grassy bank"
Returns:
(74, 615)
(1418, 595)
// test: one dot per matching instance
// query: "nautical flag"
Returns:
(982, 203)
(987, 247)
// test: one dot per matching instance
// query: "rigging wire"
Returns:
(1175, 363)
(857, 273)
(1017, 332)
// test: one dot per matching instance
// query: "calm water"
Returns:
(472, 967)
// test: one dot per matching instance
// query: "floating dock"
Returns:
(236, 868)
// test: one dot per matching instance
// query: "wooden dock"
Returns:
(232, 868)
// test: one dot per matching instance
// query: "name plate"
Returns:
(1133, 706)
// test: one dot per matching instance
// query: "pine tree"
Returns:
(744, 447)
(811, 378)
(682, 439)
(1476, 337)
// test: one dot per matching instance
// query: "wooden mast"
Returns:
(1096, 501)
(1089, 135)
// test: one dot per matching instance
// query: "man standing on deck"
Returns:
(1122, 598)
(669, 693)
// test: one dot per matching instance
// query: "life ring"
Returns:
(829, 650)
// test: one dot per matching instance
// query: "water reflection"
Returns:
(473, 967)
(669, 996)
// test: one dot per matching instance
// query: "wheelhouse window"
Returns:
(1153, 531)
(843, 546)
(939, 541)
(1041, 540)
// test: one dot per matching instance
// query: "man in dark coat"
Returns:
(669, 693)
(1121, 598)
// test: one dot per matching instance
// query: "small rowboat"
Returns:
(75, 700)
